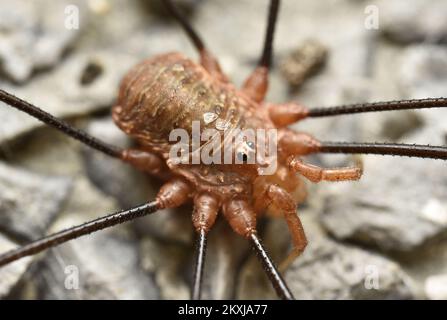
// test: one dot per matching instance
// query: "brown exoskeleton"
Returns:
(169, 92)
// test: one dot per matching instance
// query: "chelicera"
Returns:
(170, 91)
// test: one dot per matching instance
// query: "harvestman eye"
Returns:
(243, 157)
(251, 145)
(141, 90)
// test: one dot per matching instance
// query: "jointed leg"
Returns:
(281, 288)
(78, 231)
(284, 114)
(146, 162)
(298, 143)
(394, 149)
(172, 194)
(204, 216)
(59, 124)
(242, 220)
(207, 59)
(257, 83)
(378, 106)
(284, 201)
(317, 174)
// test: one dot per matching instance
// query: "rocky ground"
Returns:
(382, 237)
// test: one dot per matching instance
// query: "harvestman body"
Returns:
(170, 91)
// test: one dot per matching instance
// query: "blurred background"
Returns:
(383, 237)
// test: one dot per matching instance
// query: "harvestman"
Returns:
(149, 105)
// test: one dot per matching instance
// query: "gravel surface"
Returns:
(380, 238)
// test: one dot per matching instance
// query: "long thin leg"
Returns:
(378, 106)
(267, 52)
(297, 143)
(189, 30)
(78, 231)
(242, 220)
(60, 125)
(317, 174)
(284, 201)
(393, 149)
(287, 113)
(203, 218)
(172, 194)
(146, 162)
(208, 61)
(281, 288)
(257, 83)
(284, 114)
(199, 266)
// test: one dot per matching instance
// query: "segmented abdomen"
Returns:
(168, 92)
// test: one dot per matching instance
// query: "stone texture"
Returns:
(91, 256)
(423, 70)
(29, 202)
(391, 218)
(225, 253)
(68, 96)
(423, 21)
(402, 208)
(120, 180)
(397, 210)
(329, 270)
(168, 273)
(34, 35)
(436, 287)
(131, 187)
(12, 273)
(98, 278)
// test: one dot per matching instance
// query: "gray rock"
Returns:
(399, 202)
(29, 202)
(225, 253)
(423, 21)
(112, 176)
(167, 263)
(132, 187)
(65, 95)
(395, 206)
(426, 266)
(46, 152)
(423, 71)
(303, 62)
(168, 225)
(330, 270)
(436, 287)
(34, 35)
(13, 272)
(82, 269)
(89, 258)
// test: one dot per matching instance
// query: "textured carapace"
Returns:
(170, 91)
